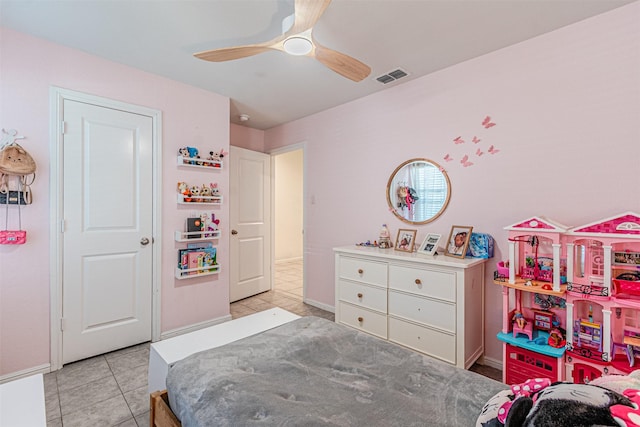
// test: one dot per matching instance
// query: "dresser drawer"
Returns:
(434, 343)
(364, 271)
(438, 314)
(363, 319)
(363, 295)
(435, 284)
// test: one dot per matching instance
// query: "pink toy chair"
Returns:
(527, 330)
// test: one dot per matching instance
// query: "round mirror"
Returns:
(418, 191)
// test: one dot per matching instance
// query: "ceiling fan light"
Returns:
(297, 46)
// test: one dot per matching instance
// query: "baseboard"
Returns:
(42, 369)
(197, 326)
(320, 305)
(492, 363)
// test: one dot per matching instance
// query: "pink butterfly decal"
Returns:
(459, 140)
(442, 169)
(479, 152)
(492, 150)
(475, 140)
(447, 158)
(487, 123)
(465, 161)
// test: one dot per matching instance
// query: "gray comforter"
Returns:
(314, 372)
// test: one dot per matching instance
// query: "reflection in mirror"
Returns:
(418, 191)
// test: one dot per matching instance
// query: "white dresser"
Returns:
(434, 305)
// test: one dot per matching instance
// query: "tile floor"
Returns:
(111, 389)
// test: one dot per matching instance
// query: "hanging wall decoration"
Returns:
(17, 173)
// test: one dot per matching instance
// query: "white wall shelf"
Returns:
(206, 200)
(204, 163)
(197, 236)
(192, 273)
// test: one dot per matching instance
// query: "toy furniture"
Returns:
(526, 329)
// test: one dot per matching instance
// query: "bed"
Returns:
(312, 372)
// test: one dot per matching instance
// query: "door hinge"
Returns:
(62, 225)
(63, 127)
(62, 323)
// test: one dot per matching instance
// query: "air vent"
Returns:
(392, 76)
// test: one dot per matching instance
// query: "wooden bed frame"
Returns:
(160, 414)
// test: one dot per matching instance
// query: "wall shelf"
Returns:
(206, 200)
(191, 273)
(197, 236)
(206, 164)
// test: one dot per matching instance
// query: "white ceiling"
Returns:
(418, 36)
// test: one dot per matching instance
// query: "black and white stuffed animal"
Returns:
(560, 404)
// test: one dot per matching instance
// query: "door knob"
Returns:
(234, 232)
(144, 241)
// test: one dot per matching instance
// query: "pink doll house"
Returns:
(603, 297)
(533, 345)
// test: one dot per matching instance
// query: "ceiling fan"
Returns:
(297, 39)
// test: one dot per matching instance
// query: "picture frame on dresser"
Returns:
(429, 245)
(405, 240)
(458, 241)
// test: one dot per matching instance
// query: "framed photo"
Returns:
(458, 241)
(429, 244)
(405, 240)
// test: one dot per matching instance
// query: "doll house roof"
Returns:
(627, 224)
(538, 224)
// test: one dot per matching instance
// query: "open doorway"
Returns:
(288, 222)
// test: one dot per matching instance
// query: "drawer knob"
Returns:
(418, 282)
(359, 295)
(360, 271)
(360, 319)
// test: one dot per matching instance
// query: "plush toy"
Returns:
(214, 189)
(213, 156)
(205, 192)
(184, 189)
(193, 154)
(184, 152)
(560, 404)
(195, 194)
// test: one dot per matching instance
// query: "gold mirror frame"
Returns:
(403, 213)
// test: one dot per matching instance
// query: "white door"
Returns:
(107, 230)
(250, 212)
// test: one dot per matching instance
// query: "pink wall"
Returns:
(191, 116)
(566, 107)
(245, 137)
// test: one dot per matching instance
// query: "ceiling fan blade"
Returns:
(342, 64)
(230, 53)
(307, 13)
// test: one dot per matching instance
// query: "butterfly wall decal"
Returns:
(479, 152)
(465, 161)
(448, 158)
(493, 150)
(487, 123)
(475, 140)
(458, 140)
